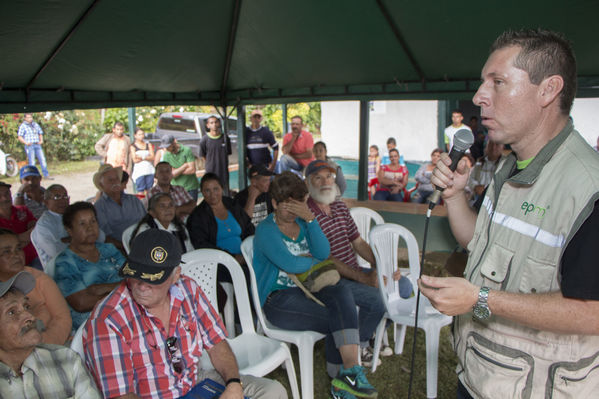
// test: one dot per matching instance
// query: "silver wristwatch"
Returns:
(481, 309)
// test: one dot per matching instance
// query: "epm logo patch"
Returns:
(529, 207)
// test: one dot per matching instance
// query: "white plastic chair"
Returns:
(77, 342)
(50, 267)
(126, 237)
(304, 340)
(384, 240)
(256, 355)
(363, 217)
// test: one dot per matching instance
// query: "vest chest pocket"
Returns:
(537, 277)
(495, 371)
(496, 265)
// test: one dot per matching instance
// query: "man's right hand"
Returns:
(452, 182)
(253, 192)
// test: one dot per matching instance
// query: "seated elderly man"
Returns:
(116, 210)
(28, 368)
(341, 231)
(145, 339)
(31, 193)
(184, 203)
(49, 235)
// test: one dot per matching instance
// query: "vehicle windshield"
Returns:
(178, 124)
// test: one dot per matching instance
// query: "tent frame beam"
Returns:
(60, 45)
(229, 54)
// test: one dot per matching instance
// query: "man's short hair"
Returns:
(27, 113)
(543, 53)
(391, 140)
(117, 123)
(297, 117)
(48, 192)
(457, 111)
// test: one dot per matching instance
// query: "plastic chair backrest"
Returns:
(77, 342)
(384, 241)
(202, 264)
(247, 249)
(126, 237)
(50, 267)
(363, 218)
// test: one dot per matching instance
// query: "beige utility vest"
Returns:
(521, 232)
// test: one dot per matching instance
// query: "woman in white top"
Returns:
(142, 154)
(161, 215)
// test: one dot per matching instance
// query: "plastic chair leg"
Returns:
(399, 337)
(305, 350)
(291, 374)
(432, 358)
(380, 331)
(229, 309)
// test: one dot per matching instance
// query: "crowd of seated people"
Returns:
(123, 301)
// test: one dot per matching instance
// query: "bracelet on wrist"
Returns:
(233, 381)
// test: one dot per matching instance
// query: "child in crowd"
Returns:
(142, 154)
(374, 165)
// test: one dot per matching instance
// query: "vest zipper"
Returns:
(495, 362)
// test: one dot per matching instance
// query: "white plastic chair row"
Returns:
(384, 240)
(304, 340)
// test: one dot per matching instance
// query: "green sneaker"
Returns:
(338, 394)
(354, 382)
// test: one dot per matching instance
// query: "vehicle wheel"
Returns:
(12, 168)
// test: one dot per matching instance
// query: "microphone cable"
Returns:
(413, 360)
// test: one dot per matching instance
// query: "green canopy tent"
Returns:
(64, 54)
(111, 53)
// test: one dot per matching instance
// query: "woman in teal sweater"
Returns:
(290, 240)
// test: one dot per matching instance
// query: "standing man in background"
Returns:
(32, 136)
(114, 148)
(456, 124)
(258, 139)
(215, 148)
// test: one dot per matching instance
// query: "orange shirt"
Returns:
(48, 305)
(117, 151)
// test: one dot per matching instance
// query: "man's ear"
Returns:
(550, 89)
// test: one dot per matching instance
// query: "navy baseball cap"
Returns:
(153, 257)
(259, 170)
(29, 170)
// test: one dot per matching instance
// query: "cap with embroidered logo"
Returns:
(153, 257)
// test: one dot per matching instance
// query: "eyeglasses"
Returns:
(175, 354)
(59, 197)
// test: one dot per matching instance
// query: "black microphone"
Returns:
(462, 140)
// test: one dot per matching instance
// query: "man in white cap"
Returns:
(28, 368)
(145, 339)
(259, 140)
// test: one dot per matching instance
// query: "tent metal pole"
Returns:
(363, 163)
(241, 172)
(284, 109)
(230, 45)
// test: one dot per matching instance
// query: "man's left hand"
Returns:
(232, 391)
(449, 295)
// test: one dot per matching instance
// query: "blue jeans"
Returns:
(384, 195)
(287, 162)
(462, 392)
(292, 310)
(35, 151)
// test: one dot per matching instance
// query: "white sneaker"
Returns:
(366, 357)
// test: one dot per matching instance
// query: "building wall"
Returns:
(412, 123)
(586, 118)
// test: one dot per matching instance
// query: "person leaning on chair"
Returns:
(146, 338)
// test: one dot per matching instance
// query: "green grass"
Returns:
(61, 168)
(392, 377)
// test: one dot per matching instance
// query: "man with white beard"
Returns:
(345, 241)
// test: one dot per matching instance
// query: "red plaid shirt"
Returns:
(125, 346)
(177, 193)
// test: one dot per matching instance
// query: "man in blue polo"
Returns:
(32, 137)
